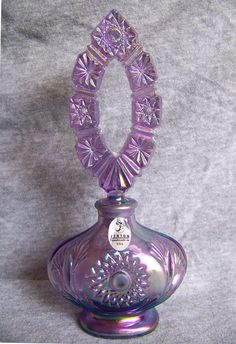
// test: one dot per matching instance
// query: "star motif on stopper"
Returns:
(147, 111)
(83, 113)
(114, 36)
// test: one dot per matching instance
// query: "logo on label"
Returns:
(119, 234)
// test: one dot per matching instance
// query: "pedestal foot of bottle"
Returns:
(119, 327)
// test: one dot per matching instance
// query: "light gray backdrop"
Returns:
(46, 196)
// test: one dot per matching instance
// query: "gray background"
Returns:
(46, 196)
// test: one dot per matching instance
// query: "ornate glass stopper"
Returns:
(117, 270)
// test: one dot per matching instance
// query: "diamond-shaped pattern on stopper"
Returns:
(114, 38)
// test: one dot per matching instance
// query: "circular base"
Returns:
(119, 327)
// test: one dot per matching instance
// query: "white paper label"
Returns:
(119, 234)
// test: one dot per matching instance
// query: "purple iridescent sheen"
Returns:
(90, 150)
(85, 270)
(87, 73)
(141, 73)
(83, 112)
(139, 149)
(117, 289)
(147, 111)
(114, 38)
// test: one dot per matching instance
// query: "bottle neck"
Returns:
(112, 207)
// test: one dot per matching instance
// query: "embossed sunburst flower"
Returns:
(141, 72)
(87, 73)
(140, 150)
(119, 280)
(90, 150)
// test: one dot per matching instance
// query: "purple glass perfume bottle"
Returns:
(117, 271)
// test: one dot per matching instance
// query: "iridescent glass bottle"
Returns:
(117, 271)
